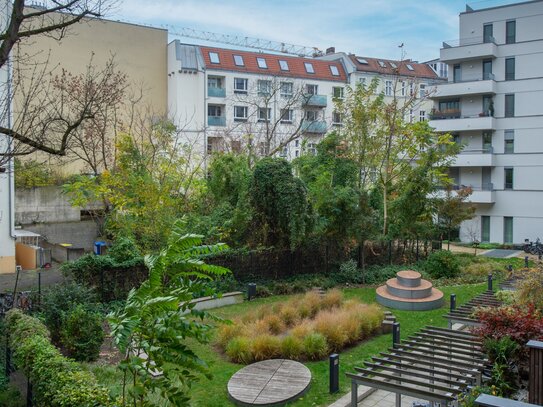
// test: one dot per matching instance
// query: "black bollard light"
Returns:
(395, 334)
(453, 302)
(334, 373)
(510, 268)
(526, 261)
(251, 291)
(489, 281)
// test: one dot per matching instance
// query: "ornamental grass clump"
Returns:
(306, 327)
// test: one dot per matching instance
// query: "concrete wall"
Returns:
(80, 234)
(44, 204)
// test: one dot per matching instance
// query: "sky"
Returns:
(372, 28)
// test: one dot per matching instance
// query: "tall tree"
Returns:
(452, 209)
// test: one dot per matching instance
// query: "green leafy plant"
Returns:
(82, 334)
(151, 329)
(442, 264)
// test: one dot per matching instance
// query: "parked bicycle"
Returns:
(533, 247)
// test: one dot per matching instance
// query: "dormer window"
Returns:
(262, 63)
(309, 67)
(238, 60)
(334, 70)
(214, 58)
(283, 65)
(410, 67)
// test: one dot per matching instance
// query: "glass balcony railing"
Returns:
(314, 126)
(462, 42)
(316, 100)
(216, 92)
(216, 121)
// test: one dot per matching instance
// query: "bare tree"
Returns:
(44, 121)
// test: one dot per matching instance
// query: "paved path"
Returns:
(502, 253)
(28, 279)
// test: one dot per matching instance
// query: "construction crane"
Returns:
(246, 42)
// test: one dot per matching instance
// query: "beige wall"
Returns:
(140, 52)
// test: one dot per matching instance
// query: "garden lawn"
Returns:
(213, 393)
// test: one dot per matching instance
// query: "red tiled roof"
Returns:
(419, 70)
(295, 64)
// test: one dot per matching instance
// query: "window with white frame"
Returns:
(214, 111)
(388, 88)
(422, 115)
(410, 67)
(312, 89)
(287, 89)
(264, 87)
(312, 148)
(240, 113)
(312, 115)
(404, 88)
(422, 91)
(241, 85)
(509, 142)
(264, 114)
(287, 116)
(309, 67)
(336, 118)
(214, 58)
(283, 65)
(337, 92)
(238, 60)
(262, 63)
(382, 64)
(214, 82)
(334, 70)
(362, 81)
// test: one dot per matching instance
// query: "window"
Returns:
(262, 63)
(509, 106)
(485, 229)
(334, 70)
(297, 143)
(487, 69)
(457, 73)
(507, 229)
(297, 153)
(509, 141)
(287, 117)
(448, 105)
(337, 92)
(283, 65)
(488, 106)
(312, 89)
(362, 61)
(312, 115)
(392, 64)
(382, 64)
(410, 67)
(264, 114)
(508, 174)
(213, 144)
(238, 60)
(404, 88)
(312, 148)
(214, 82)
(509, 69)
(422, 116)
(264, 87)
(214, 111)
(388, 88)
(336, 118)
(287, 89)
(422, 91)
(309, 67)
(488, 33)
(236, 146)
(362, 81)
(240, 113)
(510, 32)
(487, 142)
(240, 85)
(214, 58)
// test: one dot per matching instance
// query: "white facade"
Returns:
(492, 104)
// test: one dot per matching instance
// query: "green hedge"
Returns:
(56, 381)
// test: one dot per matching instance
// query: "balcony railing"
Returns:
(455, 114)
(484, 150)
(475, 78)
(314, 126)
(488, 186)
(216, 121)
(216, 92)
(316, 100)
(462, 42)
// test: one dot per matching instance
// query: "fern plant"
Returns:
(153, 327)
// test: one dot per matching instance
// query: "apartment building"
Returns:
(491, 104)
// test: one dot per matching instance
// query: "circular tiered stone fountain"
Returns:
(408, 291)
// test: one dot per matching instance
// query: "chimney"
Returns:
(331, 50)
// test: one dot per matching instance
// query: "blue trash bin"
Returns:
(99, 247)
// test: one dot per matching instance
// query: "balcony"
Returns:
(483, 194)
(316, 100)
(453, 121)
(216, 121)
(314, 126)
(474, 158)
(216, 92)
(468, 48)
(476, 86)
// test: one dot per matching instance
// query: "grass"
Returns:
(213, 393)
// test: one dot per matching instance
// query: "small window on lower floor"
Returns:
(240, 113)
(509, 142)
(287, 116)
(336, 118)
(507, 229)
(508, 174)
(422, 115)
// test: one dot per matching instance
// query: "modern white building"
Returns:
(492, 105)
(225, 99)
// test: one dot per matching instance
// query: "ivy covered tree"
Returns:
(282, 212)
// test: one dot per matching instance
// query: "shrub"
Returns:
(330, 324)
(265, 347)
(530, 289)
(275, 324)
(442, 264)
(239, 350)
(227, 332)
(480, 269)
(289, 315)
(331, 299)
(302, 330)
(262, 291)
(82, 334)
(315, 346)
(292, 347)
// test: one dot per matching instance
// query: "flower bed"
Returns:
(306, 327)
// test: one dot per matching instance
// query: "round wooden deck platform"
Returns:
(269, 383)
